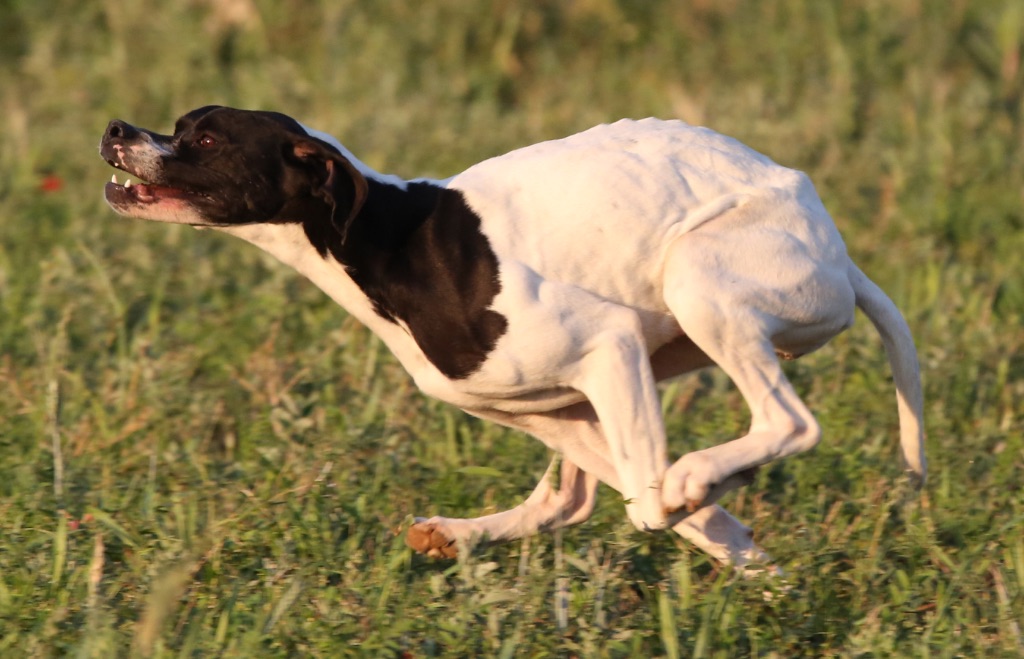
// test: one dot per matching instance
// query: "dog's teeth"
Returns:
(128, 183)
(113, 179)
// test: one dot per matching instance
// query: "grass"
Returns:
(202, 456)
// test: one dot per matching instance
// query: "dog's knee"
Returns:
(810, 435)
(801, 434)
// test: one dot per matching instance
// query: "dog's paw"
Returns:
(755, 562)
(647, 511)
(688, 482)
(427, 536)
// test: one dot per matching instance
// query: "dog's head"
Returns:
(225, 167)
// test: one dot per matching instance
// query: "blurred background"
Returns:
(201, 455)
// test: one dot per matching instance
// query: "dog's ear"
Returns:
(334, 179)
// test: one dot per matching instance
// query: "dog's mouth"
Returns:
(151, 201)
(142, 192)
(129, 193)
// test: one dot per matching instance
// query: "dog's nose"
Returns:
(118, 129)
(114, 138)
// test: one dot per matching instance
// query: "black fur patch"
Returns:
(417, 253)
(421, 258)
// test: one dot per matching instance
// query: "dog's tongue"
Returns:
(162, 191)
(149, 191)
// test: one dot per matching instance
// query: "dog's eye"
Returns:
(206, 141)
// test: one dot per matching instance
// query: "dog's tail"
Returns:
(899, 347)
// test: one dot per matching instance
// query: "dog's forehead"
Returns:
(216, 117)
(190, 119)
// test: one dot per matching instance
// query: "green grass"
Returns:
(200, 455)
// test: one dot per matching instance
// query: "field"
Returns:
(201, 455)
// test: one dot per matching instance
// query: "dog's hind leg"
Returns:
(781, 425)
(740, 312)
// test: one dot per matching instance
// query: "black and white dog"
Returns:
(550, 288)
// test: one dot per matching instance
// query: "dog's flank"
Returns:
(548, 289)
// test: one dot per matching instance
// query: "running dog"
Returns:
(550, 289)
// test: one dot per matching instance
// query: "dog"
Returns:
(549, 289)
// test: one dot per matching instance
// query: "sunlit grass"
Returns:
(203, 456)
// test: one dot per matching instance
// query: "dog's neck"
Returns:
(414, 259)
(390, 214)
(289, 243)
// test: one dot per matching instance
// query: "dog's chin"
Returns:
(157, 203)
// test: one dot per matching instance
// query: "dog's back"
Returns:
(599, 209)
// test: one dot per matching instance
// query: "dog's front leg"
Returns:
(563, 497)
(577, 431)
(615, 375)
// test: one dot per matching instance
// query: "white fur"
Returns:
(615, 247)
